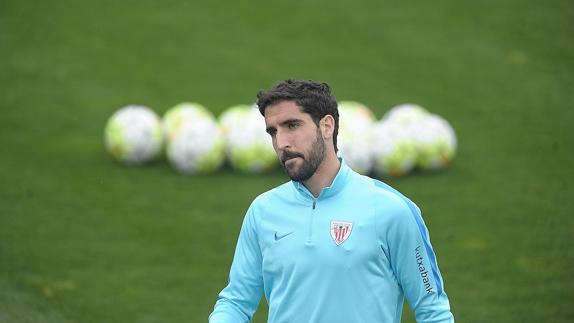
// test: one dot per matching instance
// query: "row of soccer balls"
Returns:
(195, 142)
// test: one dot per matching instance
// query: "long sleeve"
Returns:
(415, 266)
(238, 301)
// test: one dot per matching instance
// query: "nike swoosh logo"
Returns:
(281, 236)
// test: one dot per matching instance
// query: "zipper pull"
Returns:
(314, 203)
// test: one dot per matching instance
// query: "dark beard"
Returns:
(314, 158)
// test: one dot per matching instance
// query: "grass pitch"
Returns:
(85, 239)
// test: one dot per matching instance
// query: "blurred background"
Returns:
(84, 238)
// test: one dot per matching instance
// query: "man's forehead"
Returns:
(284, 110)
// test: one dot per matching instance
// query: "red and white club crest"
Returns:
(340, 231)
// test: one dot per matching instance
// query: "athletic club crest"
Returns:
(340, 231)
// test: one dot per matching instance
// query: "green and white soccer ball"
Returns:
(435, 142)
(405, 114)
(195, 143)
(248, 146)
(181, 114)
(394, 152)
(354, 137)
(133, 135)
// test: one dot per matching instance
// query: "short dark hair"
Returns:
(314, 99)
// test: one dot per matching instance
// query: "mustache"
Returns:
(290, 154)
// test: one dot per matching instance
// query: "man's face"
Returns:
(296, 139)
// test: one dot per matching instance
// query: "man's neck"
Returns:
(324, 175)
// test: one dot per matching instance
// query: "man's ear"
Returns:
(327, 125)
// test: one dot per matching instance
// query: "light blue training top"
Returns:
(350, 255)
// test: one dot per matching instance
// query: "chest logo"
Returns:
(340, 231)
(279, 236)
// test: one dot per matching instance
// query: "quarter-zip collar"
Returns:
(338, 184)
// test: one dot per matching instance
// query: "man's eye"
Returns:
(292, 125)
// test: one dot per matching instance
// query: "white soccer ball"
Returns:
(181, 114)
(435, 142)
(405, 114)
(133, 135)
(248, 146)
(354, 137)
(195, 142)
(394, 152)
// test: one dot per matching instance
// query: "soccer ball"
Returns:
(354, 137)
(434, 140)
(394, 152)
(133, 135)
(181, 114)
(406, 114)
(248, 147)
(194, 140)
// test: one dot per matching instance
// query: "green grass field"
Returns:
(85, 239)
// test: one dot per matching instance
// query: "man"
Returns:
(331, 245)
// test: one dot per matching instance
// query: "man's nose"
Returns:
(282, 141)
